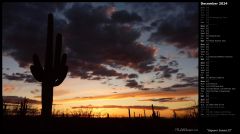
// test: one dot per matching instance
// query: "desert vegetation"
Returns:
(24, 117)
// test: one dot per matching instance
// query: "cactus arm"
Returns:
(36, 73)
(58, 49)
(61, 76)
(36, 61)
(62, 70)
(49, 49)
(37, 69)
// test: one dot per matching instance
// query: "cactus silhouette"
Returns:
(54, 71)
(153, 112)
(23, 107)
(129, 113)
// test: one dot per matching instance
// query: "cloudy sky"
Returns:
(120, 55)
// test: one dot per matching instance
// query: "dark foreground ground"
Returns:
(98, 125)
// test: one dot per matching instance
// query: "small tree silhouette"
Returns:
(54, 71)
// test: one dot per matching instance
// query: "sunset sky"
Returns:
(120, 55)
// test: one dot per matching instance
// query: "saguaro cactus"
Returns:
(54, 71)
(153, 112)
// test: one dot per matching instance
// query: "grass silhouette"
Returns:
(96, 125)
(85, 121)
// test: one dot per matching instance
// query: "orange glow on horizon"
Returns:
(137, 94)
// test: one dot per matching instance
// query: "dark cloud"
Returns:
(145, 88)
(163, 59)
(17, 100)
(35, 91)
(147, 28)
(155, 10)
(173, 63)
(161, 81)
(133, 84)
(98, 39)
(125, 17)
(132, 76)
(179, 29)
(181, 35)
(101, 71)
(181, 85)
(188, 79)
(29, 79)
(166, 71)
(189, 52)
(12, 77)
(178, 87)
(119, 106)
(92, 37)
(192, 80)
(180, 75)
(95, 72)
(181, 52)
(186, 82)
(181, 99)
(23, 28)
(186, 108)
(19, 77)
(95, 39)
